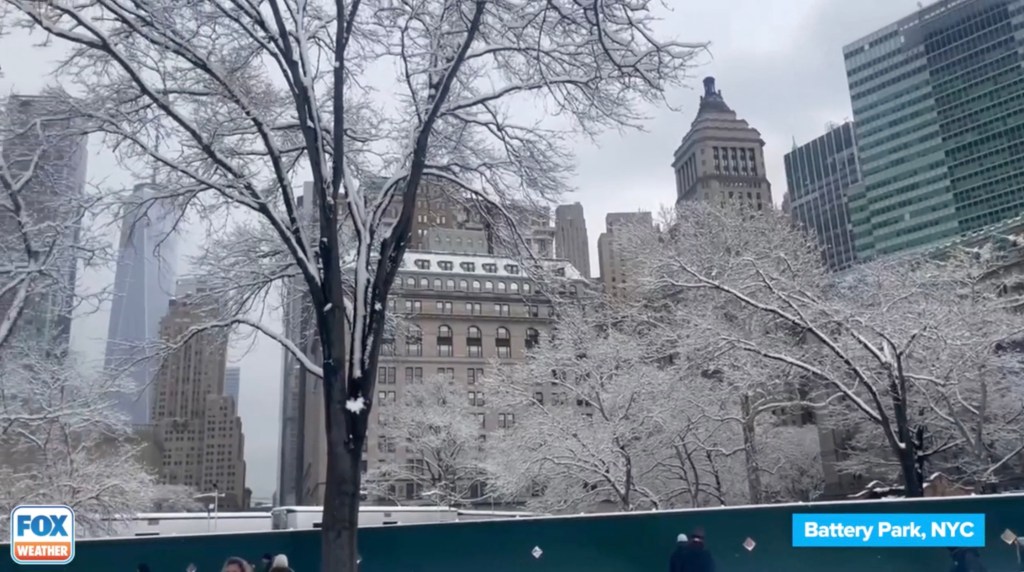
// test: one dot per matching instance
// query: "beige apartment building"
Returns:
(197, 428)
(460, 313)
(615, 272)
(721, 156)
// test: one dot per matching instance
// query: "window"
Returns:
(532, 338)
(446, 373)
(414, 342)
(527, 287)
(464, 285)
(444, 307)
(449, 284)
(386, 375)
(413, 306)
(413, 375)
(513, 287)
(490, 268)
(421, 218)
(391, 305)
(506, 420)
(386, 397)
(512, 268)
(539, 397)
(476, 398)
(474, 375)
(467, 266)
(488, 286)
(474, 309)
(474, 342)
(445, 265)
(438, 284)
(422, 264)
(503, 342)
(410, 282)
(385, 445)
(482, 418)
(476, 285)
(501, 287)
(444, 341)
(533, 311)
(502, 310)
(424, 283)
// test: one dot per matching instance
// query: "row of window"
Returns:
(473, 308)
(386, 375)
(449, 266)
(451, 285)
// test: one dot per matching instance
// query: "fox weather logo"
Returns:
(42, 534)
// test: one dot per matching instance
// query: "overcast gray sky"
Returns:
(778, 63)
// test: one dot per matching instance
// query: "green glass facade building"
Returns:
(938, 100)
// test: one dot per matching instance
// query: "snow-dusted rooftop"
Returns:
(478, 264)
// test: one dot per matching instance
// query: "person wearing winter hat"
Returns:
(280, 564)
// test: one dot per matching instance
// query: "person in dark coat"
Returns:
(966, 560)
(675, 563)
(694, 557)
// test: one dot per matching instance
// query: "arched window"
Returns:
(527, 287)
(414, 341)
(444, 341)
(532, 338)
(449, 284)
(513, 287)
(501, 287)
(474, 342)
(503, 343)
(438, 285)
(410, 282)
(488, 286)
(424, 283)
(464, 285)
(476, 285)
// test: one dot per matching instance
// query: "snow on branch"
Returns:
(909, 351)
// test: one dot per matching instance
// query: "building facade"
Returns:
(196, 426)
(819, 177)
(615, 271)
(937, 99)
(571, 242)
(143, 284)
(232, 382)
(46, 154)
(721, 156)
(458, 315)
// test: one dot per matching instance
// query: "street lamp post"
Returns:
(216, 494)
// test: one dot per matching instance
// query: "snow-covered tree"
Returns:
(226, 103)
(911, 348)
(588, 403)
(61, 443)
(438, 437)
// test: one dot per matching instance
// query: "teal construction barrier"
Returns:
(633, 542)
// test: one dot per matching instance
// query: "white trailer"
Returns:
(306, 517)
(162, 523)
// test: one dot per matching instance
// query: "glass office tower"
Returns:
(938, 100)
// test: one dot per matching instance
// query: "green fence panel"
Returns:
(636, 542)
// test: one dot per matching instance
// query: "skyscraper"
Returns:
(41, 146)
(571, 237)
(819, 175)
(232, 381)
(143, 285)
(721, 156)
(197, 426)
(938, 107)
(615, 272)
